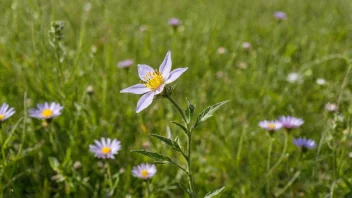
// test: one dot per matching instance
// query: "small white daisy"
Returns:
(6, 112)
(46, 111)
(106, 148)
(294, 78)
(331, 107)
(144, 171)
(320, 81)
(270, 125)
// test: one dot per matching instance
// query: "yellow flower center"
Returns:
(47, 113)
(2, 116)
(144, 173)
(153, 80)
(271, 126)
(106, 150)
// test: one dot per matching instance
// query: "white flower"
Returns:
(270, 125)
(46, 111)
(294, 77)
(105, 148)
(153, 81)
(320, 81)
(144, 171)
(6, 112)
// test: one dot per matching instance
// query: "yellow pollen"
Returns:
(47, 113)
(106, 150)
(144, 173)
(2, 116)
(153, 80)
(271, 126)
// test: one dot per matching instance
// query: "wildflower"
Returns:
(294, 77)
(174, 22)
(290, 122)
(153, 81)
(106, 148)
(6, 112)
(144, 171)
(320, 81)
(331, 107)
(125, 63)
(46, 111)
(90, 90)
(270, 125)
(280, 15)
(221, 50)
(304, 144)
(246, 45)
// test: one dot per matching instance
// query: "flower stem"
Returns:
(192, 193)
(268, 164)
(109, 176)
(281, 157)
(148, 187)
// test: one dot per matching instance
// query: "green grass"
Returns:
(30, 74)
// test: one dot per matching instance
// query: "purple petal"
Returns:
(143, 70)
(136, 89)
(175, 74)
(165, 66)
(145, 101)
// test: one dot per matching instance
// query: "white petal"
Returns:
(160, 89)
(143, 70)
(175, 74)
(145, 101)
(136, 89)
(165, 66)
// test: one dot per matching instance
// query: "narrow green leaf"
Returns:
(174, 145)
(189, 112)
(153, 155)
(215, 192)
(208, 112)
(181, 126)
(54, 163)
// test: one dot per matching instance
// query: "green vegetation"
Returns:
(230, 149)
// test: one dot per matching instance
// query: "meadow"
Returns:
(70, 52)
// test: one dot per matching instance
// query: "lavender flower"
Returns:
(153, 82)
(144, 171)
(270, 125)
(105, 148)
(290, 122)
(331, 107)
(304, 143)
(280, 15)
(125, 63)
(174, 22)
(246, 45)
(46, 111)
(6, 112)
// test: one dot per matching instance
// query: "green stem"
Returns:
(192, 193)
(109, 176)
(268, 164)
(2, 147)
(281, 157)
(148, 187)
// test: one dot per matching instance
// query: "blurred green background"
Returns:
(314, 41)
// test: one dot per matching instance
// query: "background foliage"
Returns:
(230, 149)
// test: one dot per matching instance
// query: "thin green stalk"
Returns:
(2, 146)
(238, 155)
(109, 176)
(268, 164)
(281, 157)
(189, 142)
(148, 187)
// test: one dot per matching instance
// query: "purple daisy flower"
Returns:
(290, 122)
(125, 63)
(6, 112)
(175, 22)
(270, 125)
(280, 15)
(153, 81)
(46, 111)
(304, 143)
(144, 171)
(106, 148)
